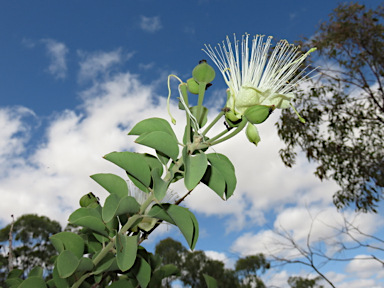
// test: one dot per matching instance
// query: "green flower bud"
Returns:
(192, 86)
(203, 72)
(252, 134)
(89, 199)
(230, 122)
(258, 114)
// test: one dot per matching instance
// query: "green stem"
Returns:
(78, 282)
(173, 170)
(238, 129)
(202, 86)
(213, 123)
(218, 135)
(183, 89)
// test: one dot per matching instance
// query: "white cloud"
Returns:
(364, 268)
(29, 43)
(94, 63)
(57, 52)
(14, 133)
(229, 263)
(150, 24)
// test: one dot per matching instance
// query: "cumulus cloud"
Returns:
(57, 52)
(220, 256)
(94, 63)
(150, 24)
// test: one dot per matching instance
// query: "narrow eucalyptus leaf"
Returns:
(211, 282)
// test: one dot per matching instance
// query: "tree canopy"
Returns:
(344, 107)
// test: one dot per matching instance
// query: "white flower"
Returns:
(147, 223)
(254, 79)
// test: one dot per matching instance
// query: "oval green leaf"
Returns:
(152, 125)
(132, 163)
(114, 206)
(126, 249)
(68, 241)
(66, 264)
(112, 183)
(160, 141)
(33, 282)
(195, 167)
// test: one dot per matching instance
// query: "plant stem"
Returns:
(202, 86)
(184, 93)
(238, 129)
(213, 123)
(219, 135)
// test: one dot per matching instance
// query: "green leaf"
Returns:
(195, 167)
(68, 241)
(36, 271)
(138, 184)
(211, 282)
(126, 249)
(121, 284)
(162, 157)
(59, 282)
(13, 281)
(109, 261)
(15, 273)
(158, 212)
(170, 270)
(90, 218)
(214, 180)
(226, 169)
(33, 282)
(152, 125)
(153, 162)
(160, 141)
(179, 216)
(51, 283)
(195, 230)
(203, 116)
(132, 163)
(142, 270)
(85, 264)
(114, 206)
(112, 183)
(160, 186)
(66, 264)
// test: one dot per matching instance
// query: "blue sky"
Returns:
(76, 75)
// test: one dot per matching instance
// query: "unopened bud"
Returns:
(259, 113)
(203, 72)
(192, 86)
(252, 134)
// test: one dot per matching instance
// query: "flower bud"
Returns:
(192, 86)
(259, 113)
(89, 199)
(203, 72)
(252, 134)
